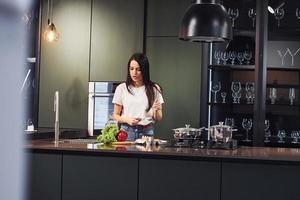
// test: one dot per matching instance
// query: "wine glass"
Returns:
(295, 135)
(267, 131)
(240, 57)
(249, 92)
(248, 56)
(217, 56)
(229, 121)
(297, 13)
(279, 14)
(273, 95)
(292, 95)
(233, 14)
(236, 89)
(215, 87)
(223, 95)
(281, 135)
(252, 15)
(232, 56)
(224, 57)
(247, 125)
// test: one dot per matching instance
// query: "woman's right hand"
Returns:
(132, 121)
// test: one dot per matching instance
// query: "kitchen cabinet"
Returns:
(261, 56)
(176, 180)
(259, 181)
(94, 177)
(44, 176)
(116, 33)
(64, 64)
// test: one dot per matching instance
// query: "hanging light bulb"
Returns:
(51, 33)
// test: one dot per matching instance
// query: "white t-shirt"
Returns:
(135, 104)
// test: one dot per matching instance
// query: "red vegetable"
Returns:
(121, 135)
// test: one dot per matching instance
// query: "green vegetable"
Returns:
(109, 133)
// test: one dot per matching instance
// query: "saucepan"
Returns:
(187, 132)
(220, 133)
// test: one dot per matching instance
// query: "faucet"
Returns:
(56, 111)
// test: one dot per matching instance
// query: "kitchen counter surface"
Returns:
(263, 154)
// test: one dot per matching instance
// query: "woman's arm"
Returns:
(121, 119)
(157, 111)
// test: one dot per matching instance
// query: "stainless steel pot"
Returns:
(220, 133)
(187, 132)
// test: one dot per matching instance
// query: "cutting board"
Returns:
(123, 143)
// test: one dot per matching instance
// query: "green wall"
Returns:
(96, 39)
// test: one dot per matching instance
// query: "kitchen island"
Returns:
(90, 171)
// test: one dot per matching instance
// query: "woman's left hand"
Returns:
(156, 106)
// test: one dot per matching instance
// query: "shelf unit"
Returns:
(265, 70)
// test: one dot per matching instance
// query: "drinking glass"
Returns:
(236, 89)
(252, 15)
(248, 56)
(273, 95)
(217, 56)
(232, 56)
(215, 87)
(229, 121)
(292, 95)
(223, 95)
(249, 92)
(247, 125)
(281, 135)
(267, 131)
(233, 14)
(295, 136)
(224, 57)
(297, 13)
(240, 57)
(279, 14)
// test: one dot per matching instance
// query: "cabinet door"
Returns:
(175, 65)
(44, 176)
(177, 180)
(117, 32)
(65, 64)
(92, 177)
(164, 17)
(259, 181)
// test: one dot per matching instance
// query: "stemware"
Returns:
(252, 15)
(217, 56)
(295, 135)
(248, 56)
(281, 135)
(267, 131)
(224, 57)
(215, 87)
(297, 13)
(229, 121)
(232, 56)
(223, 95)
(233, 14)
(279, 14)
(236, 89)
(240, 57)
(249, 92)
(292, 95)
(273, 95)
(247, 125)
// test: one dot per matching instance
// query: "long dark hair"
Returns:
(150, 86)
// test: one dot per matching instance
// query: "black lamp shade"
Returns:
(206, 22)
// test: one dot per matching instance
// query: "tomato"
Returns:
(121, 135)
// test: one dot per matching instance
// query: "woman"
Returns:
(138, 101)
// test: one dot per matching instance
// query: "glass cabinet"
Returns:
(253, 81)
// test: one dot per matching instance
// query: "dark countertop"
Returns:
(245, 154)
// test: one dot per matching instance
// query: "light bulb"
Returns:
(51, 34)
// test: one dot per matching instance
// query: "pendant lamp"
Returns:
(51, 33)
(206, 21)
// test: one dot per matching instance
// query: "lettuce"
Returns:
(109, 133)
